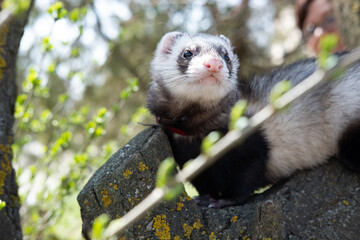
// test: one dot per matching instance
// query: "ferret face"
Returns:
(195, 68)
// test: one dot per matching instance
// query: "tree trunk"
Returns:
(348, 15)
(11, 31)
(318, 203)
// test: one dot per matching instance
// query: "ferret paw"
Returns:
(208, 201)
(204, 200)
(220, 203)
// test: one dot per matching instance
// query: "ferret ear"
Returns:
(226, 40)
(167, 41)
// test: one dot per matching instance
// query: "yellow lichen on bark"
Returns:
(143, 167)
(115, 186)
(127, 173)
(5, 157)
(162, 229)
(3, 34)
(212, 236)
(179, 205)
(105, 198)
(188, 230)
(197, 224)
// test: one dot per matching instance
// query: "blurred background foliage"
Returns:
(83, 74)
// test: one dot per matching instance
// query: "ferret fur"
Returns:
(321, 124)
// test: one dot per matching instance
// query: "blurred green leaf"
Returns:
(32, 81)
(278, 90)
(165, 171)
(77, 14)
(45, 116)
(327, 44)
(75, 52)
(46, 45)
(99, 226)
(57, 10)
(241, 123)
(51, 67)
(37, 126)
(132, 86)
(236, 112)
(209, 141)
(16, 6)
(61, 142)
(2, 204)
(63, 97)
(173, 192)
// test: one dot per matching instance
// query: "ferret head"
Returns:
(198, 68)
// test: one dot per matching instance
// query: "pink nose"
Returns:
(213, 65)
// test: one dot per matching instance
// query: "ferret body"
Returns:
(194, 88)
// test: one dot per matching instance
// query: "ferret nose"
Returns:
(213, 65)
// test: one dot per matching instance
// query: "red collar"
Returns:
(172, 129)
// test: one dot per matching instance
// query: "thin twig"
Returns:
(231, 140)
(134, 214)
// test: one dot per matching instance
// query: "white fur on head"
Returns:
(226, 39)
(166, 43)
(186, 86)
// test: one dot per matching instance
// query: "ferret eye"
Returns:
(187, 54)
(226, 57)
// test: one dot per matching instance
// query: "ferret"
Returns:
(194, 87)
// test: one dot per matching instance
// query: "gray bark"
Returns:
(320, 203)
(347, 13)
(10, 34)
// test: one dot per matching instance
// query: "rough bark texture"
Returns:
(10, 34)
(321, 203)
(348, 15)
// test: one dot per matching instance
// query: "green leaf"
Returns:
(241, 123)
(41, 92)
(46, 44)
(16, 6)
(209, 141)
(32, 81)
(165, 171)
(77, 118)
(51, 67)
(57, 10)
(139, 115)
(77, 13)
(327, 44)
(236, 112)
(102, 112)
(133, 86)
(90, 127)
(81, 158)
(278, 90)
(21, 99)
(99, 131)
(37, 126)
(75, 52)
(126, 130)
(2, 204)
(173, 192)
(61, 142)
(45, 116)
(99, 226)
(329, 62)
(63, 97)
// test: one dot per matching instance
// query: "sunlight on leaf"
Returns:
(236, 112)
(278, 90)
(209, 141)
(165, 170)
